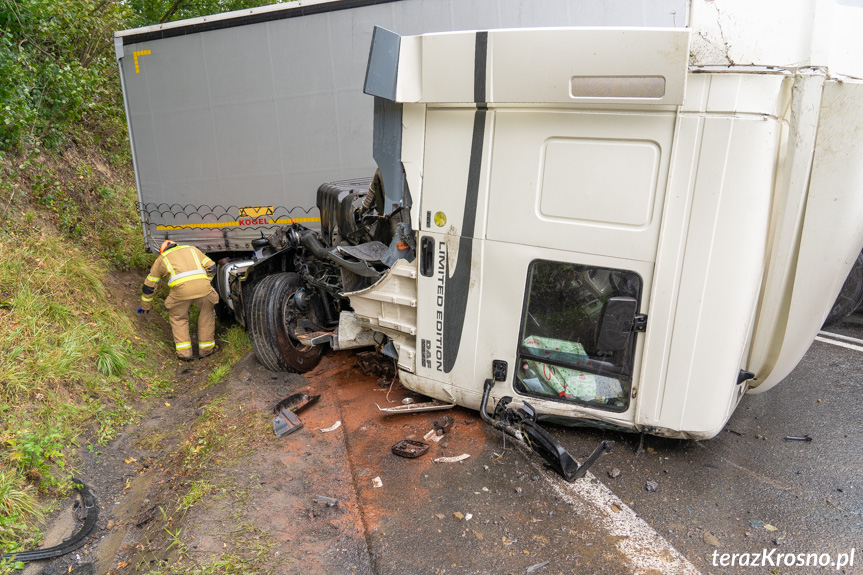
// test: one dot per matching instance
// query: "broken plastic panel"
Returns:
(410, 448)
(521, 424)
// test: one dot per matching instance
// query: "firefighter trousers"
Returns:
(178, 313)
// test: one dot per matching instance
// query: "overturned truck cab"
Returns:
(591, 226)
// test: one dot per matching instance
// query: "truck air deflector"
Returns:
(383, 66)
(387, 152)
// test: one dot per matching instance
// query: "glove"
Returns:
(142, 310)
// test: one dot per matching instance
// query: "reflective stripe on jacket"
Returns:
(185, 270)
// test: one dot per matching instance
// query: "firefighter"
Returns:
(188, 272)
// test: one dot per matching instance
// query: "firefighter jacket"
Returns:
(186, 269)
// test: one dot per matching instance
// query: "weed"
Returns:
(175, 541)
(197, 490)
(15, 499)
(218, 374)
(17, 506)
(110, 359)
(39, 454)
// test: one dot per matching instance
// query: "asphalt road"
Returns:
(747, 491)
(750, 491)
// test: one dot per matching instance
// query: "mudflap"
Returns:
(521, 424)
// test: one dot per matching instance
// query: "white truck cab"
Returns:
(620, 227)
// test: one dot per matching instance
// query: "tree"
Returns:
(159, 11)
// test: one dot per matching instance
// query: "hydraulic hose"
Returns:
(311, 242)
(496, 423)
(91, 510)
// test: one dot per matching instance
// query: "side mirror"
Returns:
(616, 322)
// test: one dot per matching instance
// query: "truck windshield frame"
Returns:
(557, 357)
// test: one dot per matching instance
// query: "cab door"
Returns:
(574, 211)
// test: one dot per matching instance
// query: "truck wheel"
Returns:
(272, 321)
(850, 297)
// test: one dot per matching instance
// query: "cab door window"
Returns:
(560, 355)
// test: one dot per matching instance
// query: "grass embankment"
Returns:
(73, 357)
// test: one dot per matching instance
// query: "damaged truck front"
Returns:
(631, 243)
(620, 227)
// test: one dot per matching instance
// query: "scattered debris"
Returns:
(333, 427)
(443, 425)
(89, 511)
(286, 420)
(433, 405)
(376, 482)
(453, 459)
(711, 539)
(410, 448)
(432, 436)
(614, 473)
(407, 401)
(468, 516)
(797, 438)
(537, 567)
(286, 423)
(651, 485)
(458, 515)
(296, 402)
(521, 424)
(373, 363)
(769, 527)
(328, 501)
(778, 540)
(615, 508)
(439, 515)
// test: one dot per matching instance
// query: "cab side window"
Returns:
(560, 355)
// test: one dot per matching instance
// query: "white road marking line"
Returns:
(647, 551)
(839, 343)
(840, 337)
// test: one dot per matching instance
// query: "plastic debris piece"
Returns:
(770, 527)
(433, 405)
(797, 438)
(432, 436)
(468, 516)
(458, 515)
(454, 459)
(376, 482)
(296, 402)
(286, 422)
(410, 448)
(651, 486)
(537, 567)
(443, 425)
(333, 427)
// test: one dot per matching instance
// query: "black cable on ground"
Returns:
(91, 515)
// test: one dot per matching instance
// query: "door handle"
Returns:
(427, 256)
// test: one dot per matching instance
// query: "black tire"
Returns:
(850, 297)
(271, 321)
